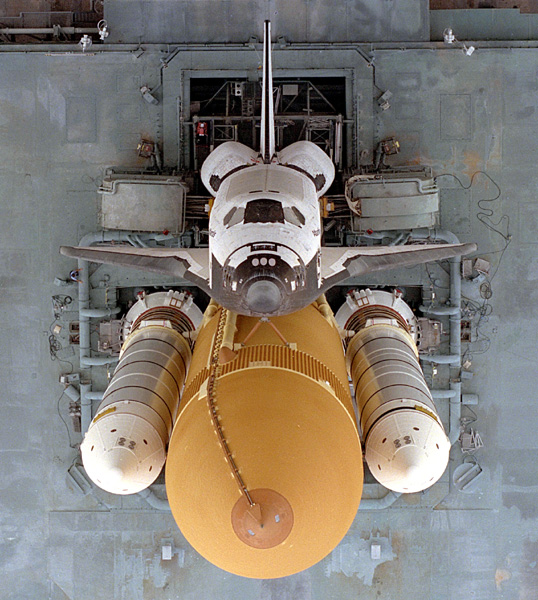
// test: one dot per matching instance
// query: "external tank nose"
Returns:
(263, 296)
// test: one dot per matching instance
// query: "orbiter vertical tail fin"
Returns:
(267, 136)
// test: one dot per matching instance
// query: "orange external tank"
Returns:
(264, 471)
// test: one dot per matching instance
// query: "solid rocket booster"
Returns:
(264, 471)
(406, 447)
(124, 449)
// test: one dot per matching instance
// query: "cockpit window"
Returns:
(234, 217)
(264, 211)
(294, 216)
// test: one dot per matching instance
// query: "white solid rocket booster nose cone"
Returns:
(412, 471)
(409, 461)
(122, 453)
(118, 464)
(407, 452)
(112, 475)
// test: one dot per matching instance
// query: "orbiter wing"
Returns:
(190, 264)
(339, 264)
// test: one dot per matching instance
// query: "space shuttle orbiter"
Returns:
(265, 256)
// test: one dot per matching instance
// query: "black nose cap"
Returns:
(263, 297)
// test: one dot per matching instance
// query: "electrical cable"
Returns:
(485, 213)
(60, 303)
(471, 309)
(468, 420)
(55, 346)
(95, 181)
(433, 281)
(71, 445)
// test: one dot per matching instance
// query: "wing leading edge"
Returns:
(189, 264)
(339, 264)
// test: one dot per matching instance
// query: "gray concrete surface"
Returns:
(194, 21)
(64, 119)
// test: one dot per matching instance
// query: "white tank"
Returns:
(407, 451)
(406, 447)
(125, 446)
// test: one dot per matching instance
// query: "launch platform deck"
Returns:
(65, 116)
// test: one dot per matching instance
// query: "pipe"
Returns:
(226, 352)
(378, 235)
(454, 311)
(85, 407)
(153, 500)
(100, 361)
(401, 239)
(447, 394)
(230, 328)
(210, 312)
(99, 313)
(455, 301)
(441, 359)
(324, 308)
(134, 242)
(134, 49)
(443, 394)
(85, 313)
(423, 233)
(95, 395)
(378, 503)
(84, 290)
(46, 30)
(455, 413)
(435, 235)
(469, 399)
(139, 241)
(439, 311)
(455, 348)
